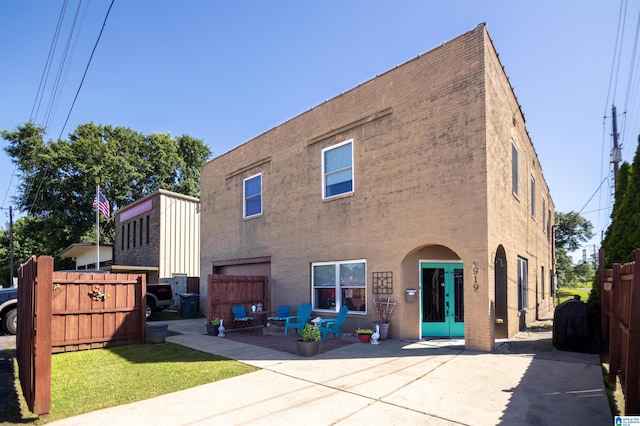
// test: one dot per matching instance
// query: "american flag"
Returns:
(103, 205)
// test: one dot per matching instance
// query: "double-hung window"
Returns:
(523, 284)
(252, 205)
(336, 284)
(337, 169)
(533, 197)
(514, 170)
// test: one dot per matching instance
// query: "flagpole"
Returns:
(98, 228)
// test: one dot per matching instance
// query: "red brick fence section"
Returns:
(620, 304)
(64, 311)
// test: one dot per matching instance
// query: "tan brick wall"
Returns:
(424, 186)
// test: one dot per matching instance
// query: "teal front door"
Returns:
(442, 299)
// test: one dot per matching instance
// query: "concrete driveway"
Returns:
(525, 381)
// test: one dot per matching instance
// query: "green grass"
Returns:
(86, 381)
(563, 294)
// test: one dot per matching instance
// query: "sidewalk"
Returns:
(525, 381)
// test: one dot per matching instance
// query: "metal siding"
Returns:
(179, 246)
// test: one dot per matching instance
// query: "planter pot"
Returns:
(364, 338)
(212, 330)
(157, 332)
(307, 348)
(384, 329)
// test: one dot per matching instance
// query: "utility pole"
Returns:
(616, 154)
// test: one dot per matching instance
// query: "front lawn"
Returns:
(86, 381)
(565, 293)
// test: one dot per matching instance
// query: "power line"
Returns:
(64, 65)
(44, 176)
(86, 69)
(631, 80)
(47, 65)
(594, 194)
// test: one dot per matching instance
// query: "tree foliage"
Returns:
(623, 235)
(59, 178)
(571, 230)
(26, 242)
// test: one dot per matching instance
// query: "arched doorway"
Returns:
(437, 271)
(442, 298)
(500, 277)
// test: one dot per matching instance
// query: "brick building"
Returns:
(423, 178)
(159, 235)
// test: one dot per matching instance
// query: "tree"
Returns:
(571, 230)
(616, 241)
(623, 235)
(59, 177)
(25, 244)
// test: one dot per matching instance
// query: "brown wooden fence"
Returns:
(225, 291)
(97, 310)
(620, 304)
(33, 339)
(64, 311)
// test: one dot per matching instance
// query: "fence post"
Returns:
(605, 307)
(42, 335)
(632, 381)
(614, 327)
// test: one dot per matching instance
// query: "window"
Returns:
(128, 234)
(544, 215)
(514, 169)
(252, 196)
(542, 280)
(337, 169)
(533, 197)
(147, 229)
(549, 223)
(339, 283)
(134, 233)
(523, 285)
(140, 231)
(122, 239)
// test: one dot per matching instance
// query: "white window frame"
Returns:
(542, 281)
(515, 170)
(245, 198)
(523, 284)
(325, 175)
(338, 286)
(533, 197)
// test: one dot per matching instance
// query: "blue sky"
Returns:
(227, 71)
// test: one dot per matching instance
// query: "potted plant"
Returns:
(364, 334)
(157, 332)
(309, 344)
(384, 310)
(212, 328)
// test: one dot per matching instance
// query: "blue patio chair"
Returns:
(240, 316)
(283, 312)
(298, 321)
(333, 325)
(280, 316)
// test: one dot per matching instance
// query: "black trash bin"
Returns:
(189, 304)
(572, 328)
